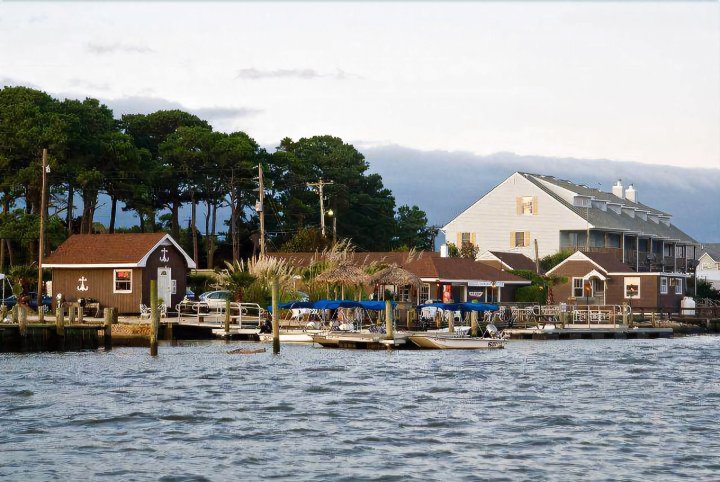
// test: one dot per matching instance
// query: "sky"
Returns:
(631, 82)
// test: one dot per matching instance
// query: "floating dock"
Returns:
(586, 333)
(362, 341)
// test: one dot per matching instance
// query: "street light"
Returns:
(331, 213)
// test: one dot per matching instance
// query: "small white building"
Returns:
(708, 267)
(558, 214)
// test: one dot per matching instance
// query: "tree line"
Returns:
(155, 164)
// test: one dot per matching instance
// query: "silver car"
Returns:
(215, 299)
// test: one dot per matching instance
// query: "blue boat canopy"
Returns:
(376, 305)
(461, 306)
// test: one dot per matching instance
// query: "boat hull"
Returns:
(436, 342)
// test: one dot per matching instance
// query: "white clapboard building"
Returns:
(560, 214)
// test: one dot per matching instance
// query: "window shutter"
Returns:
(518, 205)
(512, 239)
(526, 241)
(459, 240)
(535, 206)
(472, 238)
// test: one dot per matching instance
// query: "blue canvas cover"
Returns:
(292, 304)
(376, 305)
(335, 304)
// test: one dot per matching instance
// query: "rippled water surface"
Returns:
(590, 409)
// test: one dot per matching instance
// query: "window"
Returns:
(464, 239)
(526, 205)
(520, 239)
(403, 293)
(663, 285)
(578, 287)
(424, 293)
(677, 283)
(123, 281)
(632, 287)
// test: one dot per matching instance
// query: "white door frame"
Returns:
(166, 295)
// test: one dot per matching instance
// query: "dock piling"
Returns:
(227, 315)
(451, 323)
(474, 323)
(23, 321)
(154, 318)
(71, 314)
(60, 326)
(107, 335)
(389, 335)
(275, 317)
(80, 313)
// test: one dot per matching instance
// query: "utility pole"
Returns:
(261, 210)
(320, 184)
(41, 243)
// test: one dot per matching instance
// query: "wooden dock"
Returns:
(362, 341)
(38, 337)
(587, 333)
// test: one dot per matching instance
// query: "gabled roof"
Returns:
(603, 262)
(514, 261)
(610, 220)
(428, 265)
(712, 250)
(124, 250)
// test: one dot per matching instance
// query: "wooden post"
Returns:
(154, 318)
(474, 323)
(81, 312)
(625, 315)
(409, 319)
(41, 240)
(227, 315)
(451, 322)
(275, 317)
(652, 319)
(59, 321)
(114, 316)
(438, 319)
(23, 321)
(71, 314)
(389, 335)
(107, 338)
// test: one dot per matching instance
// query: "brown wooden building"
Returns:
(610, 282)
(116, 269)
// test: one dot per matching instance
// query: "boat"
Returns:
(450, 342)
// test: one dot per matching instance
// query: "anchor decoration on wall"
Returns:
(82, 286)
(164, 258)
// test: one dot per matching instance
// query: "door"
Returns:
(164, 285)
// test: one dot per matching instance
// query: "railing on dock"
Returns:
(244, 315)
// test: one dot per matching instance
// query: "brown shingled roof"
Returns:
(119, 248)
(609, 262)
(427, 264)
(515, 260)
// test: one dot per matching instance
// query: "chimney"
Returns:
(617, 189)
(631, 194)
(443, 250)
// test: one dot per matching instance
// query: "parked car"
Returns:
(11, 301)
(215, 299)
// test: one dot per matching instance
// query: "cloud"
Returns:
(306, 74)
(86, 84)
(110, 48)
(148, 104)
(445, 183)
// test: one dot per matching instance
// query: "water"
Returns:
(590, 409)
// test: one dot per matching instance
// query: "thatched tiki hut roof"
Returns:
(395, 275)
(345, 274)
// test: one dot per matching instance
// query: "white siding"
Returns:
(494, 217)
(711, 273)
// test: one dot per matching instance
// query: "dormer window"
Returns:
(582, 201)
(642, 215)
(601, 205)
